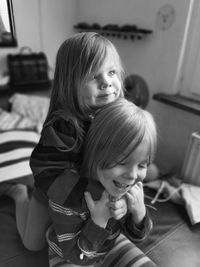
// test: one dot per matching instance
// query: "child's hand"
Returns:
(135, 202)
(118, 208)
(99, 210)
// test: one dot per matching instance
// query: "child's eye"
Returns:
(112, 72)
(122, 163)
(93, 77)
(118, 163)
(143, 166)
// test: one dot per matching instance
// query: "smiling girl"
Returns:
(108, 197)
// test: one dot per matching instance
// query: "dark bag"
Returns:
(27, 68)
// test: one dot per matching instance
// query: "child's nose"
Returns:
(133, 173)
(105, 82)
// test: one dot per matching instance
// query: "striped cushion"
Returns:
(15, 149)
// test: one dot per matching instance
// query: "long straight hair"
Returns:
(116, 131)
(77, 59)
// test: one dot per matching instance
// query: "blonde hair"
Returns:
(77, 59)
(115, 132)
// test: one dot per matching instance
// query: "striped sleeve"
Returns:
(126, 254)
(138, 234)
(74, 236)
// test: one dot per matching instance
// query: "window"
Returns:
(7, 27)
(188, 72)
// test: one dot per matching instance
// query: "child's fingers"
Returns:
(116, 205)
(118, 209)
(129, 196)
(117, 215)
(137, 188)
(140, 185)
(89, 201)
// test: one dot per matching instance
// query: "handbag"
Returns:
(27, 68)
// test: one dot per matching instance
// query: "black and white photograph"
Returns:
(99, 133)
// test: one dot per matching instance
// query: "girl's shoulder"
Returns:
(60, 132)
(65, 130)
(61, 124)
(64, 125)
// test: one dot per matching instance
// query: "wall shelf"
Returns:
(131, 32)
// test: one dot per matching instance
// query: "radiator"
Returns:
(191, 165)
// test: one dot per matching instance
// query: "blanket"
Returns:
(178, 192)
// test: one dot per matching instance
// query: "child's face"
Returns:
(119, 179)
(104, 87)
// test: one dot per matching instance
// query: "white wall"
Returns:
(57, 19)
(174, 130)
(155, 58)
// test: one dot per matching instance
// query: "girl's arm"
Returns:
(137, 233)
(138, 223)
(54, 155)
(76, 238)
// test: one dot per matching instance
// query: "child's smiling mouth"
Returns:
(122, 186)
(106, 95)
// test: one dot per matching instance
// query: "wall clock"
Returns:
(165, 17)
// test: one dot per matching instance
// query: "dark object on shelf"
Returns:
(129, 28)
(82, 25)
(27, 68)
(111, 27)
(96, 26)
(126, 31)
(145, 31)
(137, 90)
